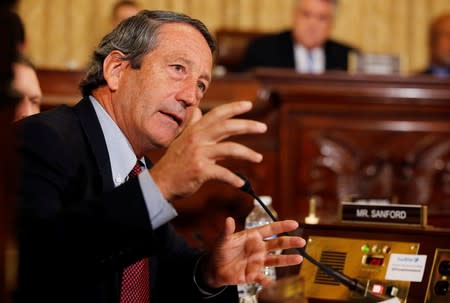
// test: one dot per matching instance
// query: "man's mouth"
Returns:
(178, 119)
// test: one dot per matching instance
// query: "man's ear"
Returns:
(113, 67)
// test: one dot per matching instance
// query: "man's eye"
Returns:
(35, 100)
(201, 86)
(178, 67)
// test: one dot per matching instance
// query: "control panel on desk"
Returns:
(371, 262)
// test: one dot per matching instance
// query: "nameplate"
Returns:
(411, 215)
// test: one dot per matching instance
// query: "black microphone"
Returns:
(350, 283)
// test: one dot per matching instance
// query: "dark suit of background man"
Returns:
(83, 222)
(439, 47)
(306, 47)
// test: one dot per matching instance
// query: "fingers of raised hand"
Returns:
(234, 127)
(217, 172)
(222, 129)
(284, 242)
(223, 113)
(231, 150)
(227, 111)
(276, 228)
(283, 260)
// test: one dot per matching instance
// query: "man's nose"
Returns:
(188, 94)
(23, 109)
(27, 107)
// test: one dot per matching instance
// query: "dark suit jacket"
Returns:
(438, 71)
(277, 50)
(77, 232)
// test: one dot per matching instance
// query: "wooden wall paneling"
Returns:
(155, 4)
(82, 18)
(58, 37)
(371, 25)
(418, 23)
(398, 38)
(209, 12)
(377, 24)
(32, 13)
(266, 20)
(231, 15)
(348, 14)
(439, 6)
(247, 14)
(180, 6)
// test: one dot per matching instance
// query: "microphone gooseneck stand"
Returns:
(350, 283)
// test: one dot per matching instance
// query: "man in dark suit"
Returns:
(306, 47)
(439, 47)
(90, 231)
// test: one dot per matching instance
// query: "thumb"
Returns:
(230, 227)
(195, 117)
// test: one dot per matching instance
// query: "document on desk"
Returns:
(406, 267)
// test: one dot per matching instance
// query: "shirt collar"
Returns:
(301, 59)
(121, 154)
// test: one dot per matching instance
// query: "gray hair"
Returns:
(335, 3)
(135, 37)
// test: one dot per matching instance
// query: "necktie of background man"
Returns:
(310, 62)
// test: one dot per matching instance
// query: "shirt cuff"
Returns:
(160, 211)
(210, 293)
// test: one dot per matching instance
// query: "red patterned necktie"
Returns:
(135, 285)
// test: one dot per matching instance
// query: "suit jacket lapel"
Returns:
(288, 49)
(94, 134)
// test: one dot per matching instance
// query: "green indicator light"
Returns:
(365, 248)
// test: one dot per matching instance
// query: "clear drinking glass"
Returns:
(284, 290)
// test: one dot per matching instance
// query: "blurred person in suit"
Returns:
(123, 9)
(26, 84)
(94, 212)
(439, 46)
(306, 47)
(8, 162)
(13, 38)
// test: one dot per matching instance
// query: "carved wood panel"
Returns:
(334, 156)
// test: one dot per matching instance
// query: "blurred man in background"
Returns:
(439, 47)
(306, 47)
(122, 10)
(26, 84)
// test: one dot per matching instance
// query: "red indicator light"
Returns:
(375, 261)
(378, 289)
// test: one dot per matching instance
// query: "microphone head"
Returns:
(247, 187)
